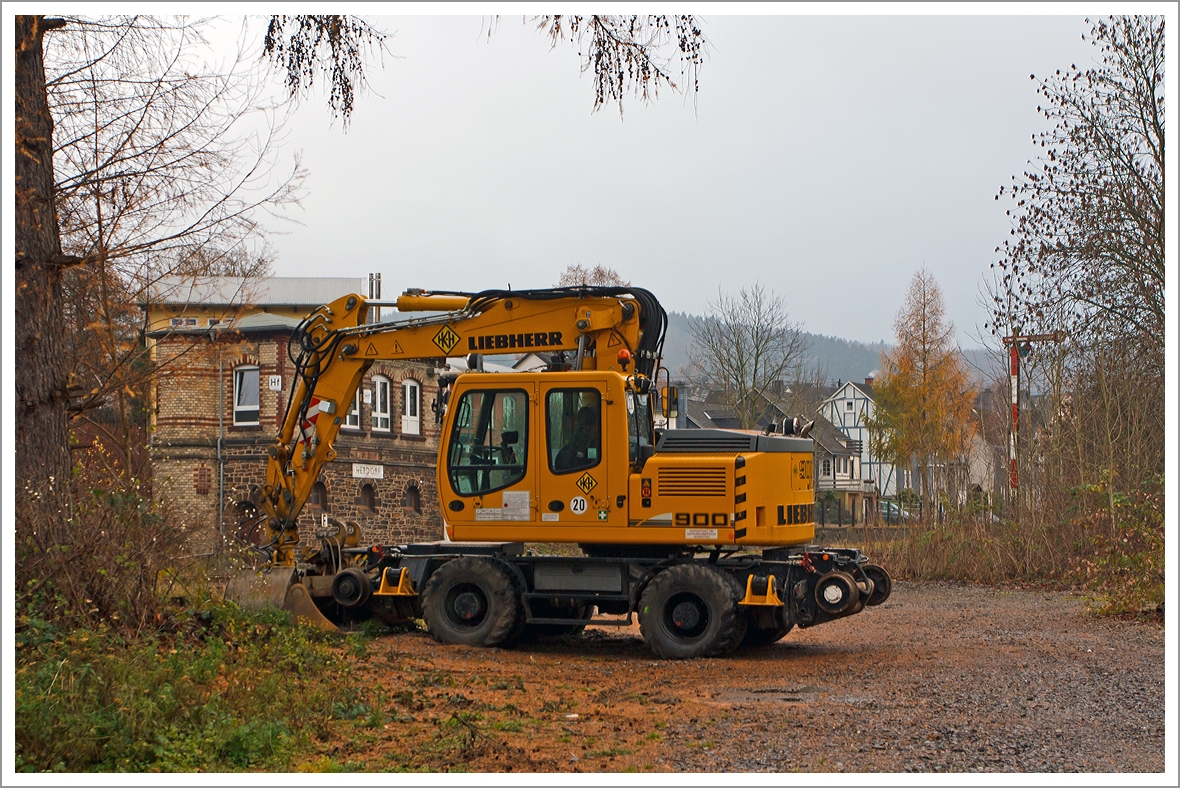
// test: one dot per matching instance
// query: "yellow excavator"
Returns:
(703, 534)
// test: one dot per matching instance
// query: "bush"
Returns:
(88, 552)
(229, 690)
(1127, 569)
(1121, 562)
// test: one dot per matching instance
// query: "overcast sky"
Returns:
(826, 157)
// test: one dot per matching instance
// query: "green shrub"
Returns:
(230, 690)
(1126, 570)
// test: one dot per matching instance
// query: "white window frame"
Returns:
(381, 416)
(352, 421)
(242, 413)
(827, 469)
(411, 407)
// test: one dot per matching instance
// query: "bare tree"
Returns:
(335, 48)
(163, 165)
(744, 344)
(1087, 246)
(576, 274)
(627, 53)
(1087, 255)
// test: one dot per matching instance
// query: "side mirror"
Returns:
(670, 402)
(509, 438)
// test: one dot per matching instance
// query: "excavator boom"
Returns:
(603, 328)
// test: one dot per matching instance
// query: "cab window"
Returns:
(574, 429)
(638, 423)
(489, 441)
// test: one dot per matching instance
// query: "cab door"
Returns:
(487, 476)
(574, 483)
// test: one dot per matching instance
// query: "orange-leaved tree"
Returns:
(923, 416)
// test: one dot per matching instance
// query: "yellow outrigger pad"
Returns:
(277, 587)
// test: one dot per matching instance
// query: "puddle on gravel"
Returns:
(803, 694)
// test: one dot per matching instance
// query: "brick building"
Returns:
(220, 345)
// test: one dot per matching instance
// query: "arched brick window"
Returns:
(413, 498)
(319, 497)
(368, 498)
(249, 523)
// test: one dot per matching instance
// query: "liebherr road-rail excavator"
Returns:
(704, 534)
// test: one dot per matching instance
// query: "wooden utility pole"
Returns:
(1019, 345)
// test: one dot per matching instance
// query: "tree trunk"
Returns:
(42, 430)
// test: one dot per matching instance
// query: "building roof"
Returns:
(260, 322)
(459, 365)
(830, 438)
(866, 389)
(707, 415)
(295, 291)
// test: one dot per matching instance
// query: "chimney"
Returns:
(869, 381)
(375, 294)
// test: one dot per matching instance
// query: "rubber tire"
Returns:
(738, 590)
(760, 637)
(485, 576)
(709, 587)
(882, 583)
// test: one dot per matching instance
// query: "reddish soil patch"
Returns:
(940, 677)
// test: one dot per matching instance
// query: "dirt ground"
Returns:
(939, 678)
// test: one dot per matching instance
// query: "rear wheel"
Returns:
(742, 619)
(471, 601)
(688, 611)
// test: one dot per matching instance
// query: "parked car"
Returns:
(891, 512)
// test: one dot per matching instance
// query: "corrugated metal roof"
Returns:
(301, 291)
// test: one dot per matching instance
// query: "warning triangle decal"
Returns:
(371, 350)
(397, 349)
(613, 340)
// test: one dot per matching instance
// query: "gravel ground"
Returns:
(940, 678)
(953, 678)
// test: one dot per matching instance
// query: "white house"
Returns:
(849, 409)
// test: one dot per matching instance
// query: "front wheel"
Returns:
(471, 601)
(688, 611)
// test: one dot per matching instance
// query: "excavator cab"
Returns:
(574, 457)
